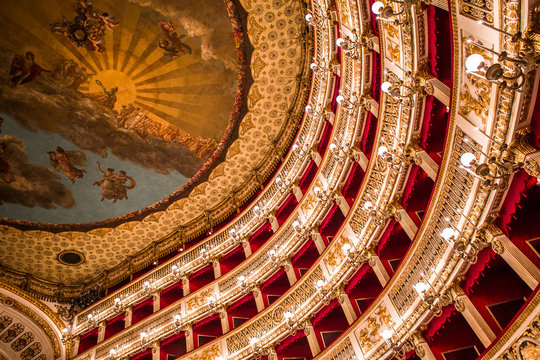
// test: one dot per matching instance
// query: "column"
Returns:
(156, 302)
(185, 285)
(422, 348)
(217, 268)
(347, 307)
(289, 270)
(156, 350)
(247, 248)
(406, 222)
(480, 327)
(259, 302)
(315, 156)
(361, 159)
(297, 192)
(518, 261)
(189, 338)
(129, 315)
(312, 339)
(440, 91)
(342, 203)
(378, 267)
(373, 107)
(427, 164)
(75, 347)
(101, 331)
(273, 222)
(225, 327)
(318, 240)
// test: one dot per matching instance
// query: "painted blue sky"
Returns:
(150, 186)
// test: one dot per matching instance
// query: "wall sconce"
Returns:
(460, 247)
(396, 159)
(312, 112)
(323, 196)
(316, 19)
(66, 337)
(118, 306)
(399, 347)
(340, 152)
(499, 74)
(320, 67)
(144, 338)
(302, 230)
(112, 354)
(494, 173)
(346, 104)
(350, 46)
(260, 211)
(431, 297)
(177, 321)
(394, 90)
(284, 186)
(302, 151)
(91, 320)
(355, 257)
(378, 216)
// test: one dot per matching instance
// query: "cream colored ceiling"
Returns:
(274, 29)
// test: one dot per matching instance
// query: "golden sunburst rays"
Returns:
(189, 93)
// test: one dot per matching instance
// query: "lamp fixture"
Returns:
(350, 46)
(284, 186)
(494, 173)
(433, 299)
(515, 78)
(378, 216)
(316, 19)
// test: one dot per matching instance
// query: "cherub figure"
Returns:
(113, 186)
(65, 162)
(173, 45)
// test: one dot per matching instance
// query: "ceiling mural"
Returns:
(108, 107)
(275, 101)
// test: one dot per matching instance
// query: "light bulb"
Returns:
(278, 180)
(117, 300)
(241, 278)
(385, 86)
(143, 335)
(253, 340)
(346, 248)
(173, 268)
(287, 315)
(382, 150)
(474, 62)
(211, 299)
(340, 42)
(295, 224)
(90, 316)
(340, 99)
(368, 205)
(377, 7)
(294, 147)
(319, 283)
(272, 252)
(467, 159)
(386, 334)
(65, 330)
(177, 317)
(147, 283)
(112, 352)
(317, 190)
(420, 288)
(448, 233)
(313, 66)
(333, 147)
(308, 108)
(309, 17)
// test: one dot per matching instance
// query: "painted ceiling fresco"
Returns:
(107, 107)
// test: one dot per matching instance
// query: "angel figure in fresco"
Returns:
(88, 27)
(108, 97)
(65, 162)
(24, 69)
(173, 45)
(113, 186)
